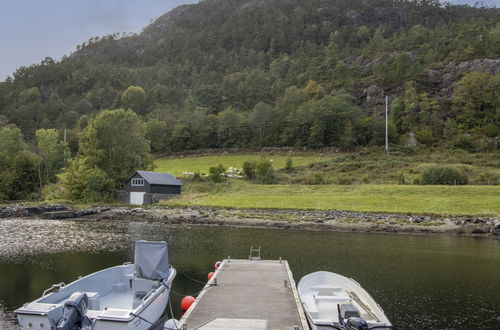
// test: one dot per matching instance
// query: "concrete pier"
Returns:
(249, 294)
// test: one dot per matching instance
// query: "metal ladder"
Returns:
(252, 255)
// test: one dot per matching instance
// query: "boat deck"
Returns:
(250, 294)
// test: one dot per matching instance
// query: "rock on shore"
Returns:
(333, 220)
(47, 211)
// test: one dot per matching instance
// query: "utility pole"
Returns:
(386, 124)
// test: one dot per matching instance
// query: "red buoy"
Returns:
(217, 264)
(186, 302)
(210, 275)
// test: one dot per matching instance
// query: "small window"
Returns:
(137, 182)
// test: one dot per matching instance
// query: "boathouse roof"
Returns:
(159, 178)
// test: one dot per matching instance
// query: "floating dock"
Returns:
(247, 294)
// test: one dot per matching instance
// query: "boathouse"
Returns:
(150, 187)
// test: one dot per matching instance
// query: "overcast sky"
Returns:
(34, 29)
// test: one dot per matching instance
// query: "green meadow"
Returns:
(201, 164)
(417, 199)
(369, 182)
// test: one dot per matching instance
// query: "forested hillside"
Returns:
(249, 73)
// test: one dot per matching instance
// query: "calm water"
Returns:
(433, 282)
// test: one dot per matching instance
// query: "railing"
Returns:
(54, 288)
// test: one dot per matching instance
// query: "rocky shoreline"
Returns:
(334, 220)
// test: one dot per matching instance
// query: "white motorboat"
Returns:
(131, 296)
(332, 301)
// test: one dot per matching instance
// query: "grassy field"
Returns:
(369, 182)
(442, 200)
(373, 167)
(395, 168)
(201, 164)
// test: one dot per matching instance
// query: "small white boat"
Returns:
(131, 296)
(332, 301)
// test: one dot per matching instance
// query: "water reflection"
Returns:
(420, 281)
(26, 238)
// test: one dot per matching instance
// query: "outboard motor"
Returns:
(74, 313)
(356, 323)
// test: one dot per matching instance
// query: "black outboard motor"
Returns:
(356, 323)
(74, 313)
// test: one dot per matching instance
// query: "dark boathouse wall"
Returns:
(151, 189)
(161, 189)
(129, 187)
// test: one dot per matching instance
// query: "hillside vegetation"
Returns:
(224, 73)
(403, 166)
(308, 75)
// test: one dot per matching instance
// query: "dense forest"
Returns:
(257, 73)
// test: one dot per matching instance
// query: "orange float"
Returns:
(186, 302)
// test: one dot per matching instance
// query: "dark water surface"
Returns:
(425, 282)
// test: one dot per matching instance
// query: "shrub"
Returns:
(289, 165)
(99, 186)
(463, 143)
(73, 178)
(444, 175)
(425, 136)
(215, 173)
(317, 178)
(81, 182)
(52, 192)
(344, 180)
(197, 177)
(264, 171)
(249, 169)
(491, 130)
(488, 178)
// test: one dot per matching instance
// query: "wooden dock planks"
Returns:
(258, 292)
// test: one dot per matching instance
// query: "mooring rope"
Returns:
(189, 277)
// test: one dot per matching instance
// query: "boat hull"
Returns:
(44, 312)
(151, 313)
(329, 299)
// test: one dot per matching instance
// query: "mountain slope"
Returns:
(225, 73)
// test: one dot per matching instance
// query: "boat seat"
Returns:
(93, 313)
(140, 284)
(114, 313)
(326, 290)
(327, 305)
(119, 287)
(42, 307)
(326, 287)
(334, 299)
(94, 301)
